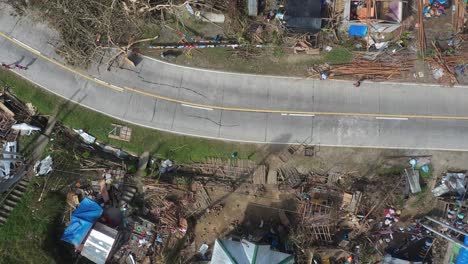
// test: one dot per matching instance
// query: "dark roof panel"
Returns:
(303, 8)
(303, 15)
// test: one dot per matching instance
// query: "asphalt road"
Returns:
(241, 107)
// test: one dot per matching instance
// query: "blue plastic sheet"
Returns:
(425, 169)
(463, 254)
(83, 218)
(358, 30)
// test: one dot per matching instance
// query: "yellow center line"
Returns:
(293, 112)
(116, 88)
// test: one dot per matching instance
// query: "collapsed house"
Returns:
(359, 16)
(318, 211)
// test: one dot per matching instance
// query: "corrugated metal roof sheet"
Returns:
(253, 7)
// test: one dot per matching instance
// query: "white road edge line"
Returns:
(292, 77)
(198, 107)
(27, 46)
(390, 118)
(303, 115)
(232, 139)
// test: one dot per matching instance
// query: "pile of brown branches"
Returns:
(86, 26)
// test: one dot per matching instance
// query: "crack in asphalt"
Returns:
(173, 86)
(211, 120)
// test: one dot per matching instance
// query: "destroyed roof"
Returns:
(303, 15)
(228, 251)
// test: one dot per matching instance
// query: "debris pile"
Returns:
(15, 119)
(318, 213)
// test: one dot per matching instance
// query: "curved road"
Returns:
(242, 107)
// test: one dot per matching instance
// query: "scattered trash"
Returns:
(418, 75)
(44, 166)
(87, 138)
(391, 216)
(381, 45)
(425, 168)
(323, 76)
(328, 48)
(437, 73)
(166, 166)
(212, 17)
(451, 183)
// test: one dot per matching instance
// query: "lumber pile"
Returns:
(290, 176)
(259, 175)
(375, 70)
(453, 61)
(167, 214)
(202, 199)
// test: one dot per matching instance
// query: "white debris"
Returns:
(44, 166)
(437, 73)
(25, 129)
(87, 138)
(5, 170)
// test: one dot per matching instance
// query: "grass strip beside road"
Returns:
(32, 232)
(183, 149)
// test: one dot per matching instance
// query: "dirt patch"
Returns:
(241, 212)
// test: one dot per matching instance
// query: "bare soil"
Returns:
(243, 210)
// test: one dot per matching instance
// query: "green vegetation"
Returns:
(400, 200)
(183, 149)
(426, 175)
(338, 55)
(272, 61)
(32, 232)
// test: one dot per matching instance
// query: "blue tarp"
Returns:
(463, 255)
(358, 30)
(83, 218)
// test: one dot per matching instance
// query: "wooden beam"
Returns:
(6, 110)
